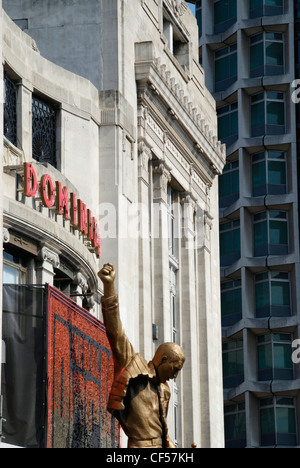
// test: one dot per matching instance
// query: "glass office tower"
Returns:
(250, 52)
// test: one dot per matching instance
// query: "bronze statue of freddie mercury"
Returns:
(140, 395)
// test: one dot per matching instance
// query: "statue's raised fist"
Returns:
(107, 275)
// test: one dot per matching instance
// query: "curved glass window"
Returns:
(230, 242)
(260, 8)
(271, 233)
(266, 54)
(233, 363)
(278, 421)
(273, 294)
(275, 357)
(229, 185)
(225, 67)
(235, 426)
(269, 173)
(228, 126)
(268, 113)
(231, 302)
(225, 14)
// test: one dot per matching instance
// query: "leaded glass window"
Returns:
(43, 132)
(10, 110)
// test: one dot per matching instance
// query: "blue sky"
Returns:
(192, 7)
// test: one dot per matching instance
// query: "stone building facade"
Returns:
(134, 139)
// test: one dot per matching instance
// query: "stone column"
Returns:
(210, 338)
(145, 264)
(161, 178)
(190, 320)
(24, 123)
(204, 300)
(5, 239)
(48, 260)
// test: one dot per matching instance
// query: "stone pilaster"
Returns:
(24, 124)
(145, 288)
(190, 319)
(160, 232)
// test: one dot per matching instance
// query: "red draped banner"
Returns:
(80, 373)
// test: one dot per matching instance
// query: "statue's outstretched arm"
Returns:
(121, 347)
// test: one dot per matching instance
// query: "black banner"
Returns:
(23, 372)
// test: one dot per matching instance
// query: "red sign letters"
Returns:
(67, 204)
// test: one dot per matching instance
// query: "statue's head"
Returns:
(168, 360)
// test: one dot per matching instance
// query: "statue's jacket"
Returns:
(128, 366)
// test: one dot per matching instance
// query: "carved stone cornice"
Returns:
(153, 75)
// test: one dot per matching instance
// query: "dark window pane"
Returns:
(275, 113)
(280, 293)
(258, 114)
(260, 234)
(278, 233)
(277, 172)
(259, 174)
(274, 54)
(286, 421)
(256, 56)
(43, 132)
(282, 356)
(10, 110)
(267, 421)
(262, 294)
